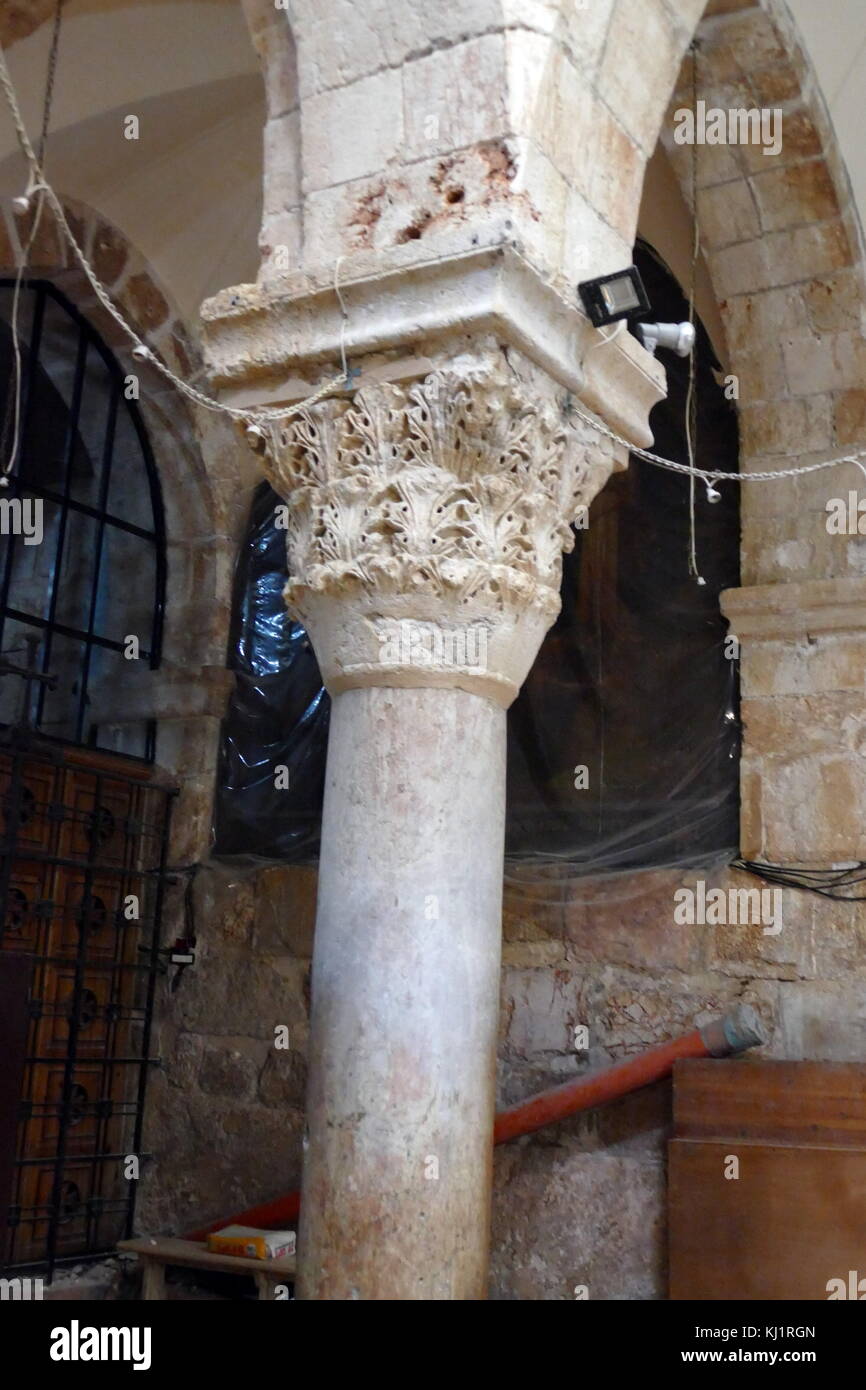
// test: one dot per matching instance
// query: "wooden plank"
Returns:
(771, 1102)
(266, 1286)
(195, 1254)
(794, 1219)
(153, 1280)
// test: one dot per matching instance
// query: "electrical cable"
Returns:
(827, 883)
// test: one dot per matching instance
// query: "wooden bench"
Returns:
(157, 1252)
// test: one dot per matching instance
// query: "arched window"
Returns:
(82, 564)
(624, 742)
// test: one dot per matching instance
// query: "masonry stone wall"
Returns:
(225, 1107)
(471, 123)
(579, 1203)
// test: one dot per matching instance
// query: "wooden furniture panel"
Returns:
(792, 1102)
(794, 1216)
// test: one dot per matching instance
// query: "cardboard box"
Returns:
(252, 1244)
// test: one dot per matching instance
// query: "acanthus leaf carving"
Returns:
(463, 484)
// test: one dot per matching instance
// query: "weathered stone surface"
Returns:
(372, 109)
(109, 253)
(824, 1020)
(231, 1067)
(283, 1079)
(225, 904)
(635, 90)
(223, 1112)
(727, 214)
(203, 1169)
(48, 246)
(285, 909)
(785, 427)
(630, 921)
(565, 1220)
(532, 905)
(787, 196)
(146, 303)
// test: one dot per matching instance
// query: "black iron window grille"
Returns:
(83, 846)
(96, 578)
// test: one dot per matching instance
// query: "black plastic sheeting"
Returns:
(633, 683)
(279, 712)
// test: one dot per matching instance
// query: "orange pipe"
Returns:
(270, 1216)
(720, 1038)
(723, 1037)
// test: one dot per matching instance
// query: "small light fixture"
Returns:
(256, 437)
(677, 337)
(611, 297)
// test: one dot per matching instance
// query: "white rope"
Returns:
(17, 375)
(708, 475)
(251, 415)
(691, 393)
(38, 185)
(344, 317)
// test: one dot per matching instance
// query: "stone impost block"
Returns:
(271, 343)
(429, 505)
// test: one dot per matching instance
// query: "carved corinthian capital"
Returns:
(427, 523)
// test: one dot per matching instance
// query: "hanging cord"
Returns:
(691, 394)
(344, 317)
(13, 396)
(253, 416)
(39, 185)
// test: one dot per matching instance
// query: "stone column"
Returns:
(396, 1192)
(426, 526)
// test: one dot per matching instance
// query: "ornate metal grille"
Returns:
(82, 879)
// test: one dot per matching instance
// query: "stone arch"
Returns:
(783, 246)
(194, 456)
(281, 236)
(782, 243)
(191, 501)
